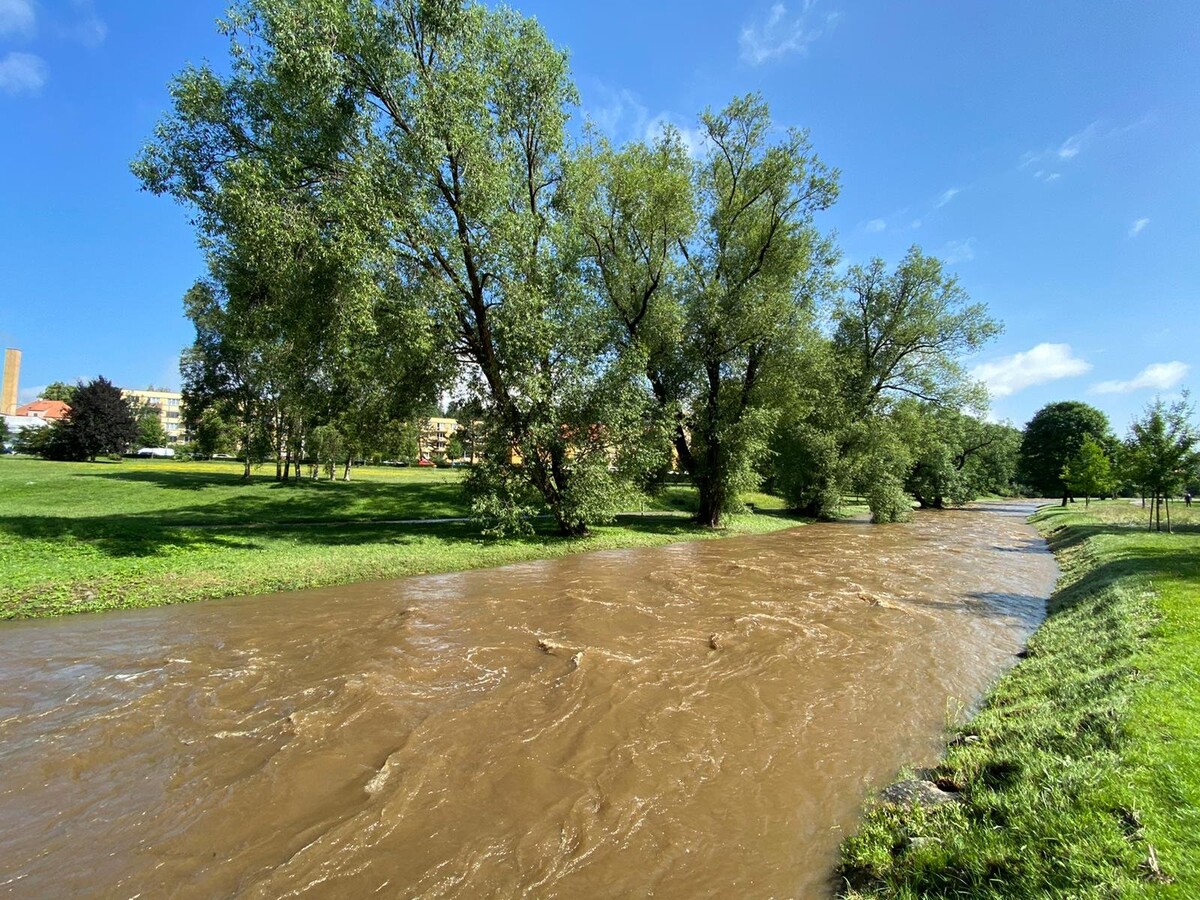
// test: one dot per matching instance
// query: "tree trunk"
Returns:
(709, 513)
(246, 470)
(1168, 502)
(346, 471)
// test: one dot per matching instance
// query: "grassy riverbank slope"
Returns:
(1080, 777)
(77, 537)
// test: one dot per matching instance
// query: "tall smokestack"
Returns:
(12, 375)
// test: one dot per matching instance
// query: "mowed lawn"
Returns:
(1080, 777)
(88, 536)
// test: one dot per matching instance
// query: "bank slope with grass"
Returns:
(1080, 776)
(85, 537)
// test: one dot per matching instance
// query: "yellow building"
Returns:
(168, 404)
(435, 437)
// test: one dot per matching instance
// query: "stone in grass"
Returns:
(914, 791)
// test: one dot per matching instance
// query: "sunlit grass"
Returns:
(1085, 778)
(83, 537)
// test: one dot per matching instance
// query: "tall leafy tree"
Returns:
(229, 370)
(1053, 436)
(212, 433)
(710, 271)
(956, 455)
(271, 159)
(358, 146)
(100, 421)
(59, 390)
(901, 334)
(896, 344)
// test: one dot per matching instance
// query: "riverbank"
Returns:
(94, 536)
(1080, 776)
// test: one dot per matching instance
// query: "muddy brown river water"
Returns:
(699, 720)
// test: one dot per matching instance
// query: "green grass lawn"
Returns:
(78, 537)
(1080, 777)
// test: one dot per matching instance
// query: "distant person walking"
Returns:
(1187, 498)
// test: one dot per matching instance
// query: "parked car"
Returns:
(156, 453)
(426, 463)
(394, 462)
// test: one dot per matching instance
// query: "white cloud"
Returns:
(946, 197)
(17, 17)
(1158, 376)
(621, 116)
(617, 109)
(1045, 362)
(22, 73)
(87, 28)
(1136, 228)
(1070, 148)
(959, 251)
(781, 32)
(875, 226)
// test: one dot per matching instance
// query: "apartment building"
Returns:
(435, 436)
(168, 404)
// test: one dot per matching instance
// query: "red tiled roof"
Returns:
(46, 409)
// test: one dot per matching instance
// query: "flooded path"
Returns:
(700, 720)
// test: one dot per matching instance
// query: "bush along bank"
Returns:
(1080, 776)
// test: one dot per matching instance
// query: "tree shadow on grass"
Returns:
(293, 502)
(1072, 535)
(138, 535)
(1176, 558)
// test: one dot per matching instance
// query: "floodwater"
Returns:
(699, 720)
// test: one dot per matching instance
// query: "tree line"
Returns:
(1069, 449)
(391, 205)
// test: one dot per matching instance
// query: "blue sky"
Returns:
(1048, 152)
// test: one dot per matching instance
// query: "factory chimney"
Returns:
(12, 375)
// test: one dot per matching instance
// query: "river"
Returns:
(698, 720)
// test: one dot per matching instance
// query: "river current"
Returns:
(699, 720)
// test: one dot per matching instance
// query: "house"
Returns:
(50, 410)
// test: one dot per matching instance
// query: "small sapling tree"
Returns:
(1089, 471)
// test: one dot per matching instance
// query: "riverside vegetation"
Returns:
(1080, 776)
(396, 200)
(85, 537)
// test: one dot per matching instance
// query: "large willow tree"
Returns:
(711, 269)
(419, 144)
